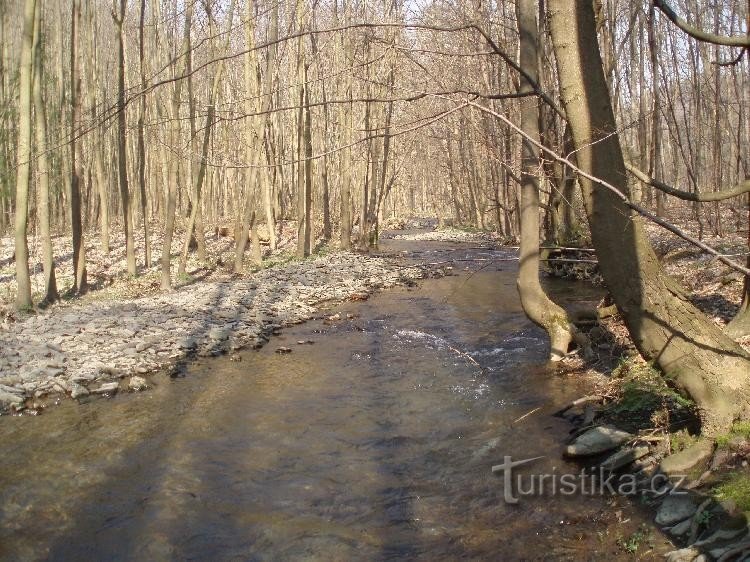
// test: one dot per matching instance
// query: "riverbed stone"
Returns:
(8, 399)
(597, 440)
(218, 334)
(107, 388)
(682, 528)
(137, 383)
(78, 390)
(680, 463)
(624, 457)
(675, 508)
(688, 554)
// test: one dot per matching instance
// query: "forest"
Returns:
(151, 146)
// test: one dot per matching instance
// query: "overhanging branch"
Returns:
(721, 195)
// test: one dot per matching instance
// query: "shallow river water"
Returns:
(374, 442)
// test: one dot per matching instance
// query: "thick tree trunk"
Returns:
(23, 156)
(536, 304)
(692, 352)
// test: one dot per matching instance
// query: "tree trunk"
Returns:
(23, 156)
(537, 305)
(79, 247)
(692, 352)
(122, 147)
(142, 140)
(43, 207)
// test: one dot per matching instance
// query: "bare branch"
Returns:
(721, 195)
(698, 34)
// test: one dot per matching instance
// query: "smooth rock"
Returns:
(77, 390)
(137, 383)
(8, 399)
(681, 528)
(675, 508)
(624, 457)
(683, 555)
(682, 462)
(597, 440)
(107, 388)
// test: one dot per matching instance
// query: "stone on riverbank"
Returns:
(624, 457)
(8, 399)
(597, 440)
(680, 463)
(675, 508)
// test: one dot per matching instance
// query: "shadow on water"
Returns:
(373, 443)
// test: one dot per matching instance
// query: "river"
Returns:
(374, 442)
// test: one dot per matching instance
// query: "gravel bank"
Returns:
(102, 346)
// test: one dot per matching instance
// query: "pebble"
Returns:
(107, 388)
(77, 391)
(137, 383)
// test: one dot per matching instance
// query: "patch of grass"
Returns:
(737, 489)
(634, 541)
(739, 429)
(184, 278)
(279, 260)
(681, 440)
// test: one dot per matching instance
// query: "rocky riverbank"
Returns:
(102, 346)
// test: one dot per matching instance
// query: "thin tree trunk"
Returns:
(43, 206)
(79, 247)
(537, 305)
(122, 147)
(195, 222)
(141, 138)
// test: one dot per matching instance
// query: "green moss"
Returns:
(739, 429)
(737, 489)
(681, 440)
(644, 399)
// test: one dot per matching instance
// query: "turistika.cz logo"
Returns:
(597, 483)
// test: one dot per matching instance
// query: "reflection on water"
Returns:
(374, 443)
